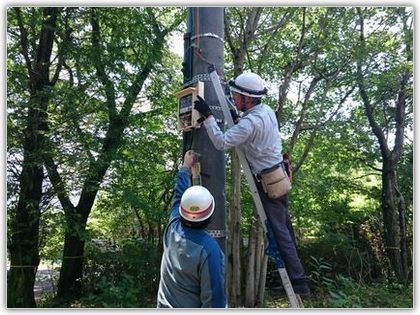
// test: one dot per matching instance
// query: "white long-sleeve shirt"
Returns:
(257, 133)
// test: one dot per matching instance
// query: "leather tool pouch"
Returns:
(275, 182)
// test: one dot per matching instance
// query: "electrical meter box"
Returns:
(187, 115)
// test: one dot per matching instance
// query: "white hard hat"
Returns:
(249, 84)
(197, 204)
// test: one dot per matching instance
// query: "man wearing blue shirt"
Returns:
(193, 267)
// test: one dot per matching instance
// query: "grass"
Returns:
(374, 295)
(338, 293)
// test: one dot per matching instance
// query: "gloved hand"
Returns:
(201, 106)
(235, 116)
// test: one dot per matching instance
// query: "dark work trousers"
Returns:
(277, 212)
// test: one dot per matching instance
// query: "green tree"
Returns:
(120, 56)
(310, 56)
(31, 34)
(287, 45)
(385, 78)
(105, 57)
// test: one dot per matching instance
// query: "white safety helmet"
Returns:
(249, 84)
(197, 204)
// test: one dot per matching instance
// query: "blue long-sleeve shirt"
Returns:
(193, 267)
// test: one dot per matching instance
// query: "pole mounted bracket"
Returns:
(217, 233)
(208, 35)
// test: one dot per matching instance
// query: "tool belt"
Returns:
(275, 181)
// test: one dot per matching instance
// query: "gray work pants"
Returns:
(277, 212)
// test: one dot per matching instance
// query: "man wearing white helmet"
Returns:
(192, 273)
(258, 135)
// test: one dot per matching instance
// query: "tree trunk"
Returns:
(263, 278)
(24, 256)
(257, 265)
(261, 266)
(391, 220)
(70, 281)
(250, 274)
(405, 254)
(235, 246)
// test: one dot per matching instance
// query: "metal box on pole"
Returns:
(187, 116)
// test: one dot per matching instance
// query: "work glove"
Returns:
(202, 107)
(235, 116)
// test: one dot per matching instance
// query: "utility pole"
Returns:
(203, 46)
